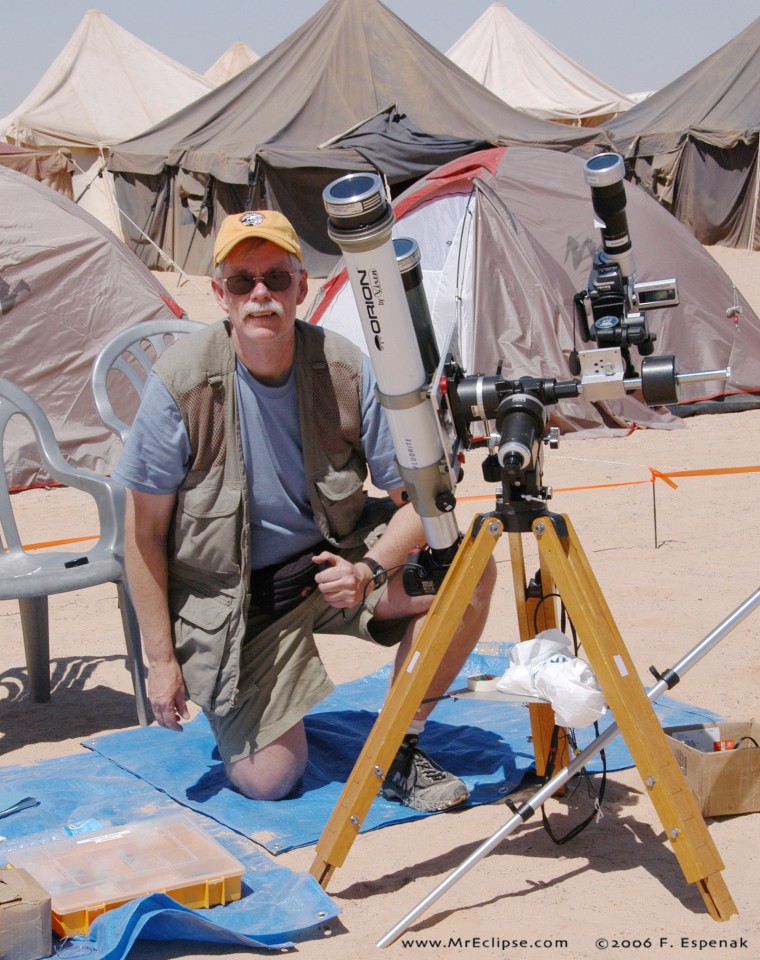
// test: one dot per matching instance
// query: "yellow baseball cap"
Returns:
(265, 224)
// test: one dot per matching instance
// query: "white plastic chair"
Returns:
(132, 352)
(31, 578)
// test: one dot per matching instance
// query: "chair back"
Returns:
(15, 401)
(108, 494)
(31, 576)
(126, 360)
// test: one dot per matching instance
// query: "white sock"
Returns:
(416, 727)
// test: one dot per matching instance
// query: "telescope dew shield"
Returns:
(605, 175)
(360, 221)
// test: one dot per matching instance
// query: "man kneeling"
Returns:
(248, 528)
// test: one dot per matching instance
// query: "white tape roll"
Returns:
(482, 682)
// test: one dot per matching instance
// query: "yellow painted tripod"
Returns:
(563, 563)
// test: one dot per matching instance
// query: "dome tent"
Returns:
(507, 237)
(67, 284)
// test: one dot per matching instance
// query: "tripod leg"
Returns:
(405, 696)
(625, 695)
(533, 615)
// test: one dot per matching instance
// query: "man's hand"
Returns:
(343, 584)
(166, 692)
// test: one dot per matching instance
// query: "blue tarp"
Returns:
(483, 742)
(276, 903)
(146, 771)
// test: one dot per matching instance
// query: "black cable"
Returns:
(548, 774)
(540, 602)
(565, 620)
(742, 740)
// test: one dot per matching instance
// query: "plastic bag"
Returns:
(545, 667)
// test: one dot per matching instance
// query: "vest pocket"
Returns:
(343, 498)
(207, 530)
(201, 626)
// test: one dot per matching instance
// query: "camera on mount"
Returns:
(618, 317)
(617, 300)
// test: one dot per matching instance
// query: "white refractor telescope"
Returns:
(360, 222)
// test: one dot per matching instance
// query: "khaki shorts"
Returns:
(281, 674)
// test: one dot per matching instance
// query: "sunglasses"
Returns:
(240, 284)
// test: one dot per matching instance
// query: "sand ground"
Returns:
(671, 564)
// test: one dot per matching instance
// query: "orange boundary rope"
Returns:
(58, 543)
(655, 475)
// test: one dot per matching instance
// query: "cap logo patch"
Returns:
(251, 219)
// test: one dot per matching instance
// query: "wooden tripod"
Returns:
(563, 563)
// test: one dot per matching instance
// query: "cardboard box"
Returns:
(25, 917)
(723, 781)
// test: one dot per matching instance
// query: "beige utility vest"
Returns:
(209, 541)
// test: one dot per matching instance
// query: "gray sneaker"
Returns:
(417, 781)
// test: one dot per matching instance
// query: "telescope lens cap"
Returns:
(355, 189)
(407, 253)
(604, 170)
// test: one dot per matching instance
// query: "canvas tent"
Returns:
(50, 166)
(391, 143)
(517, 64)
(234, 59)
(507, 237)
(259, 140)
(694, 144)
(105, 86)
(67, 284)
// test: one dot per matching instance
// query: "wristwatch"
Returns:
(378, 574)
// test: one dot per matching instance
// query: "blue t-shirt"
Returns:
(157, 455)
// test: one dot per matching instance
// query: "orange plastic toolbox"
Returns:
(88, 874)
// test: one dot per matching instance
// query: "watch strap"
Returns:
(378, 574)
